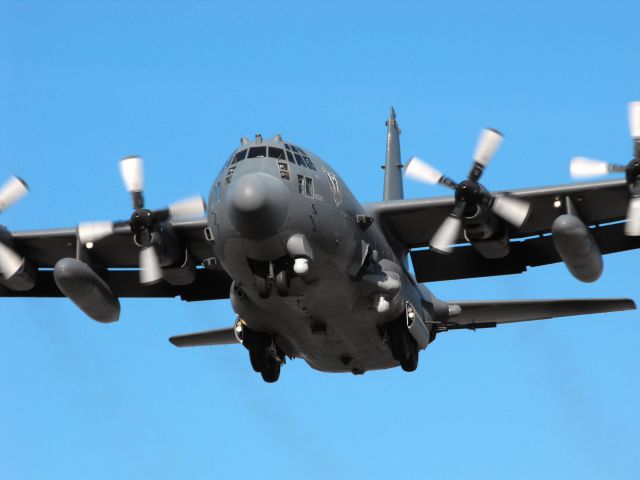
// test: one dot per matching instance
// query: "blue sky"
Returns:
(83, 84)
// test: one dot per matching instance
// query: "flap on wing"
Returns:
(223, 336)
(466, 262)
(208, 285)
(490, 313)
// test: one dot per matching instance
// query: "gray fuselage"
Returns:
(286, 203)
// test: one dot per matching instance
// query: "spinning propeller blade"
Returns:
(10, 261)
(446, 234)
(489, 141)
(422, 171)
(634, 120)
(632, 227)
(13, 190)
(513, 210)
(583, 167)
(191, 207)
(131, 170)
(150, 270)
(90, 232)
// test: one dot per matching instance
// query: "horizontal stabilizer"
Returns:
(491, 313)
(223, 336)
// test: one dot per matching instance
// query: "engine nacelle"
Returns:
(84, 287)
(577, 248)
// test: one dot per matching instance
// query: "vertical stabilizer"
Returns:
(393, 165)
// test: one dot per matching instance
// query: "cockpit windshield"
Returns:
(263, 151)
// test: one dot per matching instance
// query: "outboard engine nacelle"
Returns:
(577, 248)
(84, 287)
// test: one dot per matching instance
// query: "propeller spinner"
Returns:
(583, 167)
(469, 194)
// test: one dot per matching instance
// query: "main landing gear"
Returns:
(403, 346)
(266, 358)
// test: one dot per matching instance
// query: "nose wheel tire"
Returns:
(282, 283)
(263, 287)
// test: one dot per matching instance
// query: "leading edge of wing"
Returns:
(417, 204)
(413, 222)
(489, 313)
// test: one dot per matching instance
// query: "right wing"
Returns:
(117, 254)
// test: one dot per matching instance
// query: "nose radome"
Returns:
(259, 205)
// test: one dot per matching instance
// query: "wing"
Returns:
(412, 223)
(118, 255)
(222, 336)
(486, 314)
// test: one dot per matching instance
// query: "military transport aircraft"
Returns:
(312, 273)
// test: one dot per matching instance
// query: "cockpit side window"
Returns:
(241, 155)
(276, 153)
(257, 152)
(308, 187)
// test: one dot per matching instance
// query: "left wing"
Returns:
(412, 224)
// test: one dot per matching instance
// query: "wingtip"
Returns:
(631, 304)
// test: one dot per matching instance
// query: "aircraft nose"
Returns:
(259, 205)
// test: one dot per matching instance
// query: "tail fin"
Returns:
(393, 165)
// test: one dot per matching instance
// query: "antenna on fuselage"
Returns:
(393, 189)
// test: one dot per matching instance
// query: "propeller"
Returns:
(10, 193)
(143, 222)
(583, 167)
(469, 194)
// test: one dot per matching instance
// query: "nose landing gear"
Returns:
(276, 273)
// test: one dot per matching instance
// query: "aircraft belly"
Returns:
(323, 320)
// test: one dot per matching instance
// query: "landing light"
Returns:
(301, 266)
